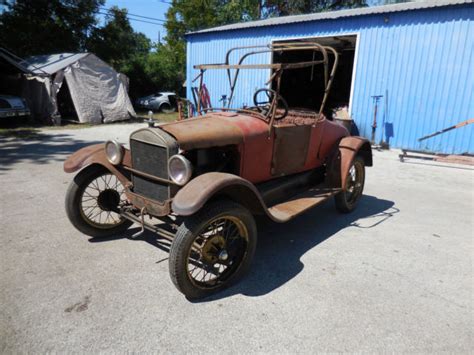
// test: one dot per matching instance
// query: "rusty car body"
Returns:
(203, 179)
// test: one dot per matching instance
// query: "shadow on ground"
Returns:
(281, 246)
(33, 146)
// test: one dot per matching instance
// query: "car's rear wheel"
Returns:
(346, 201)
(92, 200)
(212, 249)
(166, 108)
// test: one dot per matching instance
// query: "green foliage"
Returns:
(116, 42)
(47, 26)
(273, 8)
(191, 15)
(126, 50)
(31, 27)
(164, 66)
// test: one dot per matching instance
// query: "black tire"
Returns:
(76, 211)
(346, 201)
(192, 232)
(166, 108)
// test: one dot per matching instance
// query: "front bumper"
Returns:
(14, 113)
(153, 207)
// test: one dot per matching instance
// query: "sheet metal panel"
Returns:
(421, 61)
(274, 21)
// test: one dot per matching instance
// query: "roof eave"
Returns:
(333, 15)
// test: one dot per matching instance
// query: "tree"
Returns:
(47, 26)
(273, 8)
(126, 50)
(164, 68)
(191, 15)
(116, 42)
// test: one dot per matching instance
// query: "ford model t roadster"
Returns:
(199, 182)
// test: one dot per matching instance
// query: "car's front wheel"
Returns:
(212, 249)
(92, 200)
(346, 201)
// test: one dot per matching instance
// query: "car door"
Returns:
(290, 148)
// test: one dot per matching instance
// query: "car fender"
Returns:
(343, 157)
(95, 154)
(194, 195)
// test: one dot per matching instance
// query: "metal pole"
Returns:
(376, 99)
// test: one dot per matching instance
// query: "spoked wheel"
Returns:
(212, 249)
(346, 201)
(92, 202)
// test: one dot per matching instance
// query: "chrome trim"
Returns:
(188, 167)
(120, 151)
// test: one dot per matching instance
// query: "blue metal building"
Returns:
(419, 56)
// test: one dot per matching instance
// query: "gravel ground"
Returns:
(394, 276)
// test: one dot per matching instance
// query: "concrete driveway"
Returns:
(394, 276)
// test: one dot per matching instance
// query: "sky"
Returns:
(148, 8)
(157, 9)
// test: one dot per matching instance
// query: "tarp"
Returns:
(98, 92)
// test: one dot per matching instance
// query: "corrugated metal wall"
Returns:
(421, 61)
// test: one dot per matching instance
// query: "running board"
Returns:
(300, 203)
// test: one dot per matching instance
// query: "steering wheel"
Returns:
(265, 105)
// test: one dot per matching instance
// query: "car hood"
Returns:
(213, 130)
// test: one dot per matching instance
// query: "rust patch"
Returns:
(204, 132)
(81, 157)
(290, 149)
(152, 207)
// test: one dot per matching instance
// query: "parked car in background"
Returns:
(13, 106)
(159, 102)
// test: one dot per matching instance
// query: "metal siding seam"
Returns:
(407, 110)
(382, 82)
(365, 94)
(395, 78)
(445, 86)
(429, 82)
(452, 139)
(414, 100)
(462, 80)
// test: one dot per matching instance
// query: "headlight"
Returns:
(145, 102)
(180, 169)
(114, 152)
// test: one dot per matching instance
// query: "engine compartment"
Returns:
(218, 159)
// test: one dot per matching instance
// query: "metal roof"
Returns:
(332, 15)
(51, 63)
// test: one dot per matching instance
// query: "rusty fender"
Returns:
(201, 189)
(95, 154)
(341, 160)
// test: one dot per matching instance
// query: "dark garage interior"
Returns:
(304, 88)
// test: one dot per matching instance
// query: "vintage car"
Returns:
(199, 182)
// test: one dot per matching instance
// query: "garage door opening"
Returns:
(304, 88)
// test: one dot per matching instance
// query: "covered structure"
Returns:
(405, 70)
(74, 85)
